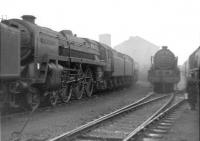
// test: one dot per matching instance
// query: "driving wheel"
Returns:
(89, 85)
(66, 94)
(78, 90)
(53, 98)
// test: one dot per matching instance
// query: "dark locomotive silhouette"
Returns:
(191, 72)
(38, 63)
(164, 73)
(193, 68)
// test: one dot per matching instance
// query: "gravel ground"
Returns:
(55, 121)
(186, 127)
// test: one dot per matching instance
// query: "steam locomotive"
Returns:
(164, 72)
(39, 64)
(192, 67)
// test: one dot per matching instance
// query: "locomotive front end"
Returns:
(9, 58)
(16, 58)
(164, 72)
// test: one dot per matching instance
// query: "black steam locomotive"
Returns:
(164, 72)
(38, 63)
(192, 67)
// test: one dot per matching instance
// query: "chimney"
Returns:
(29, 18)
(105, 38)
(164, 47)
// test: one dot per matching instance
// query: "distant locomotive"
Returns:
(164, 72)
(38, 63)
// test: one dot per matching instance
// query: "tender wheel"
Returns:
(33, 98)
(110, 85)
(119, 82)
(66, 94)
(3, 96)
(105, 84)
(53, 98)
(115, 84)
(78, 90)
(89, 85)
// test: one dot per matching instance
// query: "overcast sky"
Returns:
(175, 23)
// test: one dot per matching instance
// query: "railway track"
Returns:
(155, 127)
(123, 123)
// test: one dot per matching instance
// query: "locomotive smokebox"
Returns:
(29, 18)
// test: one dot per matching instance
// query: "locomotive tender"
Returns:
(38, 63)
(164, 72)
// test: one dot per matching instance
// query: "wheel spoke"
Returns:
(66, 94)
(53, 98)
(78, 90)
(89, 83)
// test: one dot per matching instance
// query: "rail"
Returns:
(158, 115)
(96, 122)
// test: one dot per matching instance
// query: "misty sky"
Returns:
(175, 23)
